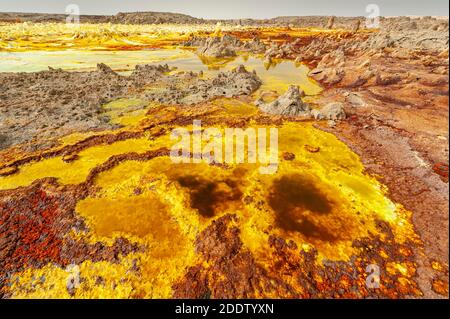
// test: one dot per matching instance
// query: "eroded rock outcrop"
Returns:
(218, 47)
(289, 103)
(226, 84)
(332, 111)
(225, 46)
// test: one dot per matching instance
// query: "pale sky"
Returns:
(225, 9)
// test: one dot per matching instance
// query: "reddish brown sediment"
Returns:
(35, 221)
(228, 270)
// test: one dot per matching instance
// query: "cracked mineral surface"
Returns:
(93, 206)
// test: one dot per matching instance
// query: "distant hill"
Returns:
(178, 18)
(128, 18)
(165, 17)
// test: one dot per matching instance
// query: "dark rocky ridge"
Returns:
(392, 23)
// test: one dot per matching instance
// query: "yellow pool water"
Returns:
(320, 199)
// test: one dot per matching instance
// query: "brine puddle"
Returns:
(276, 76)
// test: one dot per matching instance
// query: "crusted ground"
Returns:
(363, 177)
(49, 104)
